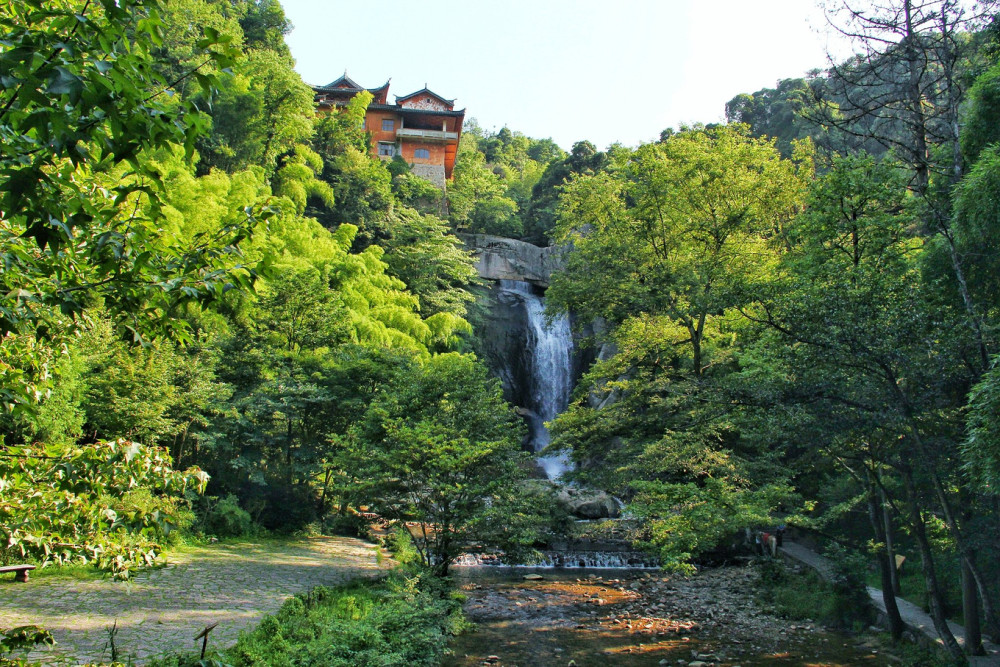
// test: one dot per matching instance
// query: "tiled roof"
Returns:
(426, 90)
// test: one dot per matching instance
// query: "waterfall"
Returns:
(550, 348)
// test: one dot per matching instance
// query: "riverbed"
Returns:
(591, 618)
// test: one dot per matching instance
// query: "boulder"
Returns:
(588, 503)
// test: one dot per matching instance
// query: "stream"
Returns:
(610, 617)
(586, 616)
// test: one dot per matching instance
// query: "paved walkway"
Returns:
(162, 610)
(913, 616)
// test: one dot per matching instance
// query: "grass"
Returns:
(75, 571)
(807, 596)
(398, 620)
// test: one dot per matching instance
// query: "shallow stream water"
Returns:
(611, 617)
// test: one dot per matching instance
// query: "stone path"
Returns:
(162, 610)
(913, 616)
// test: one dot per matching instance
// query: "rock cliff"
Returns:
(499, 258)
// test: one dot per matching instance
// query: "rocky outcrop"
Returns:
(499, 258)
(503, 344)
(588, 503)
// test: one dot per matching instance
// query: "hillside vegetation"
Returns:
(797, 310)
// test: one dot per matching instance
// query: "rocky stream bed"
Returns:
(578, 617)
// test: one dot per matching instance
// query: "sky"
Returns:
(604, 70)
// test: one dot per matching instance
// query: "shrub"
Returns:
(398, 620)
(109, 503)
(851, 604)
(225, 518)
(807, 595)
(399, 543)
(347, 523)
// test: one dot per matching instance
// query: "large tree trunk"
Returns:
(885, 564)
(970, 608)
(918, 121)
(931, 585)
(916, 63)
(890, 548)
(968, 560)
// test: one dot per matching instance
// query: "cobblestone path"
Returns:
(161, 611)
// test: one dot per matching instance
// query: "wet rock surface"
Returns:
(618, 617)
(588, 503)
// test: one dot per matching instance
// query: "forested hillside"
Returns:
(220, 313)
(197, 263)
(802, 312)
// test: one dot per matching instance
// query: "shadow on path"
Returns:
(161, 611)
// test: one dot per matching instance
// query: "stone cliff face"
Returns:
(503, 342)
(499, 258)
(506, 335)
(515, 341)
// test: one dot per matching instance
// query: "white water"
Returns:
(602, 560)
(550, 347)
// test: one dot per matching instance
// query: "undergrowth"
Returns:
(842, 603)
(399, 620)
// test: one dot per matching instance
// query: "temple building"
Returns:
(422, 128)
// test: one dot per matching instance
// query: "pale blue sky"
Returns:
(602, 70)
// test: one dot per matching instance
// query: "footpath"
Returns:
(915, 619)
(161, 610)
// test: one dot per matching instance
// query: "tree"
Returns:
(905, 90)
(666, 242)
(262, 111)
(776, 113)
(981, 123)
(982, 447)
(81, 107)
(871, 353)
(477, 198)
(676, 232)
(423, 253)
(540, 219)
(441, 448)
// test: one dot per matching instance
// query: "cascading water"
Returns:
(601, 560)
(550, 348)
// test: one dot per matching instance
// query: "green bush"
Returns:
(348, 524)
(806, 595)
(398, 620)
(109, 503)
(399, 543)
(225, 518)
(852, 606)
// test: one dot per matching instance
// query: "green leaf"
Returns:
(64, 82)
